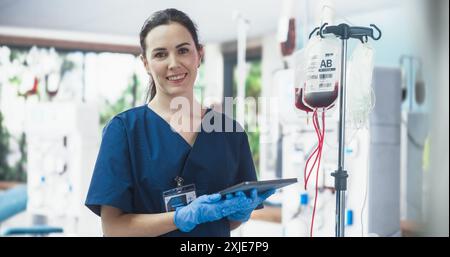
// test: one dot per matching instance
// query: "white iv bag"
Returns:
(360, 96)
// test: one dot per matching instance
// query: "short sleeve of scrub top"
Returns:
(111, 183)
(140, 155)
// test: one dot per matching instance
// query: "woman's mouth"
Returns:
(176, 78)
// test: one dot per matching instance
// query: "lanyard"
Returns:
(179, 180)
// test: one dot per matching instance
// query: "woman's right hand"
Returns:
(207, 208)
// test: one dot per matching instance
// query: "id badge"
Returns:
(179, 196)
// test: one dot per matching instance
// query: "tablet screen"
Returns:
(261, 186)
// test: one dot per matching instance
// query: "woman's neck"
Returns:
(162, 105)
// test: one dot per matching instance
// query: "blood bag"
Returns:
(288, 46)
(299, 100)
(300, 80)
(323, 67)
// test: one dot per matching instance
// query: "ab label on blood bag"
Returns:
(322, 72)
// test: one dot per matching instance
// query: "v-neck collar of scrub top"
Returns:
(190, 149)
(178, 135)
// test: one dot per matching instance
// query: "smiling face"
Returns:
(172, 59)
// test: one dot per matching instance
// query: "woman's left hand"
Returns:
(243, 215)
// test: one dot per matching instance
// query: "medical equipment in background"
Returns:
(286, 33)
(414, 90)
(415, 128)
(344, 32)
(302, 217)
(360, 94)
(288, 45)
(242, 27)
(383, 191)
(414, 131)
(13, 201)
(297, 144)
(321, 82)
(373, 153)
(63, 140)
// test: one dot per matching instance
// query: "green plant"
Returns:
(20, 167)
(16, 173)
(199, 86)
(252, 89)
(5, 170)
(127, 100)
(253, 138)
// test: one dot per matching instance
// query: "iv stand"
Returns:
(340, 176)
(345, 32)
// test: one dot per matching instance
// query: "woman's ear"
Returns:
(145, 62)
(201, 54)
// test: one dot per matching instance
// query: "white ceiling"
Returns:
(125, 17)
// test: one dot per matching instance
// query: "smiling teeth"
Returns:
(177, 77)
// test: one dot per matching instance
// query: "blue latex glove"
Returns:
(207, 208)
(244, 214)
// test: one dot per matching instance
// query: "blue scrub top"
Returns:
(140, 155)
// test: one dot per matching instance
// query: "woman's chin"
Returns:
(179, 91)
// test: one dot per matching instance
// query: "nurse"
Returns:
(160, 166)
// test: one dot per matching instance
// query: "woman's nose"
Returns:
(173, 62)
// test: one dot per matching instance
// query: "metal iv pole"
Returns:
(344, 32)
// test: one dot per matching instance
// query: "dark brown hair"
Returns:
(164, 17)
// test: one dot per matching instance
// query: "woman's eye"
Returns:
(183, 50)
(160, 55)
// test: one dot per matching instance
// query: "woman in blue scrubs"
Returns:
(160, 166)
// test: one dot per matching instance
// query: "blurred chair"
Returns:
(14, 201)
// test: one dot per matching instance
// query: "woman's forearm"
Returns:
(138, 224)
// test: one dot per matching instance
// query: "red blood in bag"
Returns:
(288, 47)
(33, 90)
(322, 99)
(299, 100)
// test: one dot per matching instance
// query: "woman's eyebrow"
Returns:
(159, 49)
(182, 44)
(163, 49)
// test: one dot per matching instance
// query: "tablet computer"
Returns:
(261, 186)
